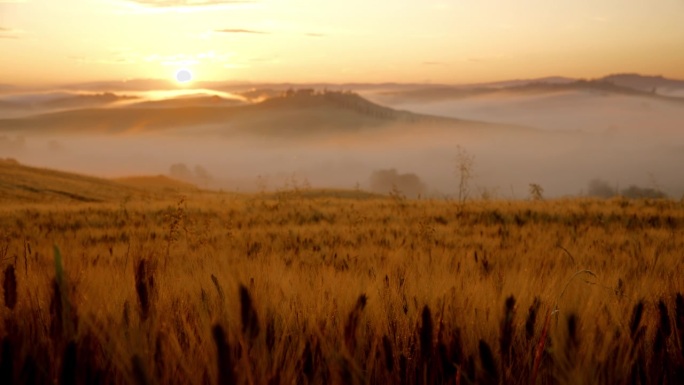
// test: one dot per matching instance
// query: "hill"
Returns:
(21, 105)
(653, 84)
(302, 112)
(20, 183)
(604, 86)
(199, 100)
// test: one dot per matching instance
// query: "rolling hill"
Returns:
(653, 84)
(599, 106)
(20, 183)
(605, 86)
(303, 112)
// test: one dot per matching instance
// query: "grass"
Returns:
(23, 184)
(325, 288)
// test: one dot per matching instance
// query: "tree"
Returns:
(180, 171)
(464, 172)
(386, 181)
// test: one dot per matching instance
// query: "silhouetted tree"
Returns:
(180, 171)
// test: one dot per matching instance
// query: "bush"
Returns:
(385, 181)
(636, 192)
(601, 189)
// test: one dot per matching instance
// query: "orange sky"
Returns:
(53, 42)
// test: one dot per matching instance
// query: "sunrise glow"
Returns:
(409, 192)
(272, 40)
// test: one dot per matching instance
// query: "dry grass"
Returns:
(312, 289)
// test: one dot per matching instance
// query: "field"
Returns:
(244, 192)
(313, 287)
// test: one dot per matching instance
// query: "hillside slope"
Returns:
(19, 183)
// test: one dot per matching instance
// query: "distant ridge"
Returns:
(26, 105)
(618, 84)
(601, 85)
(240, 86)
(643, 82)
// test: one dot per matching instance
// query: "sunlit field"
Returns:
(342, 287)
(287, 192)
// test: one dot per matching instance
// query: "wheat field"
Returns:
(319, 287)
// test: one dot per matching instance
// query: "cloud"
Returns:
(8, 33)
(93, 60)
(239, 30)
(314, 34)
(190, 59)
(187, 3)
(433, 63)
(265, 59)
(483, 59)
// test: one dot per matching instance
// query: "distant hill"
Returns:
(607, 86)
(300, 112)
(601, 85)
(7, 105)
(84, 101)
(20, 183)
(126, 85)
(6, 88)
(644, 83)
(30, 104)
(201, 100)
(519, 82)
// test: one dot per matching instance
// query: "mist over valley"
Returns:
(559, 133)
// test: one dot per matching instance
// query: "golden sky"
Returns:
(457, 41)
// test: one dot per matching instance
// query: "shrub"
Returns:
(385, 181)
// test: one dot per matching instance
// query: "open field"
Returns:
(314, 287)
(280, 192)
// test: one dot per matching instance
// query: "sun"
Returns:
(183, 76)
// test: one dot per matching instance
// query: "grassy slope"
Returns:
(25, 184)
(19, 183)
